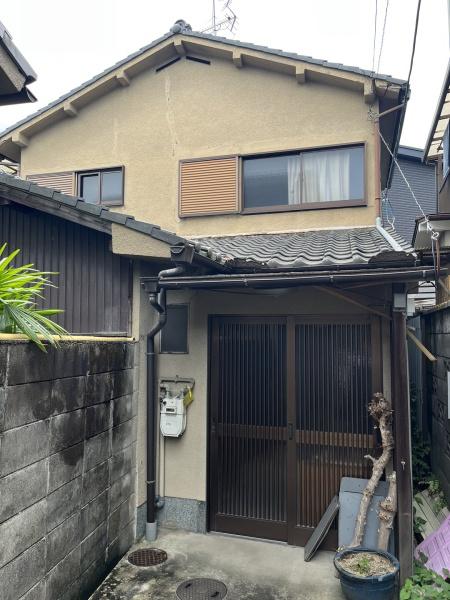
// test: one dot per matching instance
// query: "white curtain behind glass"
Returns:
(326, 176)
(294, 180)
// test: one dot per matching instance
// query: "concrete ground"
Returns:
(251, 570)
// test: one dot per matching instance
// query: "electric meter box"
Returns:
(173, 416)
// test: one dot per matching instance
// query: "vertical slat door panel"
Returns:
(248, 462)
(333, 385)
(289, 419)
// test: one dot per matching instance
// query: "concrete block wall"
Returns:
(67, 467)
(437, 338)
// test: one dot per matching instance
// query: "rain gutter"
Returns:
(282, 280)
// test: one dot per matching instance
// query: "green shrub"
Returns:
(425, 584)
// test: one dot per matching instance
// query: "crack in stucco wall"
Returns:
(170, 117)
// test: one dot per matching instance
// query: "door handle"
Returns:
(290, 431)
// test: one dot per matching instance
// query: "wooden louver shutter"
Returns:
(63, 182)
(209, 187)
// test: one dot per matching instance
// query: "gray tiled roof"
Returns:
(11, 186)
(214, 38)
(322, 248)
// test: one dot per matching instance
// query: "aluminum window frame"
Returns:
(99, 172)
(276, 208)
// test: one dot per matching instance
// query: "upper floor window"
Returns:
(104, 186)
(304, 180)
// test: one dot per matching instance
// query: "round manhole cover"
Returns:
(201, 589)
(147, 557)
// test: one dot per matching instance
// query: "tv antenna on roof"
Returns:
(226, 21)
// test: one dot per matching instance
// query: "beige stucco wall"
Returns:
(193, 110)
(183, 469)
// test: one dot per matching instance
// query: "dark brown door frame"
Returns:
(276, 530)
(299, 536)
(289, 532)
(402, 438)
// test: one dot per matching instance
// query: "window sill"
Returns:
(301, 207)
(105, 204)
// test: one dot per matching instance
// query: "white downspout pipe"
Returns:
(387, 236)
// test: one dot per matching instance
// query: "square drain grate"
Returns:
(201, 589)
(147, 557)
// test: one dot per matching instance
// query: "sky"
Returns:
(67, 43)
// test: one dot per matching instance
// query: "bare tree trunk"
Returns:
(388, 508)
(381, 411)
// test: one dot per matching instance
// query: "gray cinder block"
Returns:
(94, 513)
(63, 540)
(123, 514)
(22, 446)
(120, 545)
(97, 450)
(65, 466)
(99, 388)
(95, 481)
(26, 403)
(98, 418)
(68, 394)
(121, 489)
(122, 409)
(123, 462)
(61, 576)
(4, 349)
(123, 382)
(92, 577)
(22, 531)
(37, 592)
(94, 546)
(22, 573)
(66, 429)
(22, 488)
(123, 435)
(63, 502)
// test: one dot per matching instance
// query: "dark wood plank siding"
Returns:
(94, 285)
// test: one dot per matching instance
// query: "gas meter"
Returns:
(175, 396)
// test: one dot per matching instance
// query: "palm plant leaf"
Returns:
(20, 286)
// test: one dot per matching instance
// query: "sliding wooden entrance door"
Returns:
(334, 367)
(288, 419)
(248, 416)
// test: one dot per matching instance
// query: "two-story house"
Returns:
(277, 291)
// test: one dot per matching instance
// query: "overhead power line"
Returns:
(374, 36)
(382, 35)
(414, 41)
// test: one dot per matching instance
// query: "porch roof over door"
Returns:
(347, 247)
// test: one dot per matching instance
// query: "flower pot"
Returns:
(359, 587)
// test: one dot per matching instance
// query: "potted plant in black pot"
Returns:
(367, 573)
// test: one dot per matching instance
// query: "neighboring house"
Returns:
(285, 297)
(400, 209)
(15, 72)
(435, 323)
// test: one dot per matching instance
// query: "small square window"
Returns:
(174, 334)
(102, 187)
